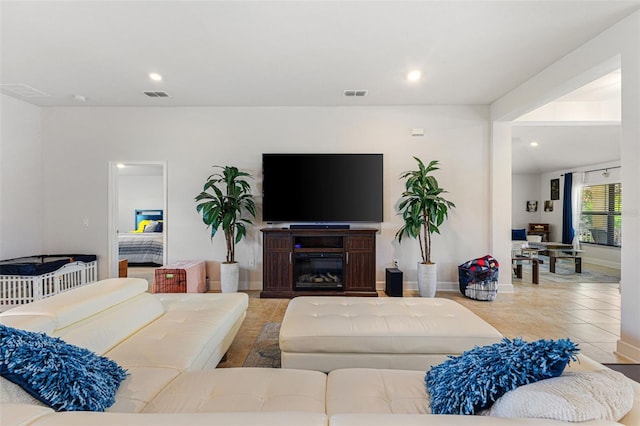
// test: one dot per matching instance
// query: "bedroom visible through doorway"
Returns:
(138, 216)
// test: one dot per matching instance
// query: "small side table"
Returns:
(565, 254)
(535, 267)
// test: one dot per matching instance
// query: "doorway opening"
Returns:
(138, 217)
(577, 133)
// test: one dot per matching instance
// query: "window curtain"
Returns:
(567, 210)
(578, 184)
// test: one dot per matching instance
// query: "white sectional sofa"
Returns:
(154, 336)
(117, 317)
(169, 343)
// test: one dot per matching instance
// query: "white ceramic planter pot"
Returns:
(229, 277)
(427, 279)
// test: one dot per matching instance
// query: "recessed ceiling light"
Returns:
(120, 166)
(534, 143)
(155, 76)
(414, 75)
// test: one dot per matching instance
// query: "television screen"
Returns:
(322, 187)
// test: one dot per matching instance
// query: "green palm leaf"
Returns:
(422, 207)
(224, 201)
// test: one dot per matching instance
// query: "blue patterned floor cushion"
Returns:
(471, 382)
(63, 376)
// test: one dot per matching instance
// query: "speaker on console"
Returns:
(393, 286)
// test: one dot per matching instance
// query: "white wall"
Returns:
(21, 178)
(191, 140)
(525, 187)
(137, 192)
(576, 111)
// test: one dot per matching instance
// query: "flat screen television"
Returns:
(321, 188)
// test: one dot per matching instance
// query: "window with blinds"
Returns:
(601, 215)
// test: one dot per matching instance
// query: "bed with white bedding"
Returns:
(141, 248)
(144, 245)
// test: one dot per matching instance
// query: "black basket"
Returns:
(479, 278)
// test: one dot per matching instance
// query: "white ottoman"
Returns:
(410, 333)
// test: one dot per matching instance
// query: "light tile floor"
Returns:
(587, 313)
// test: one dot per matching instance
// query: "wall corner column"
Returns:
(500, 206)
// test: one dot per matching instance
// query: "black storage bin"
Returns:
(479, 278)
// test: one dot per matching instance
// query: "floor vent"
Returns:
(355, 92)
(23, 90)
(157, 94)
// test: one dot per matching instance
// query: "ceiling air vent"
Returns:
(22, 90)
(355, 92)
(157, 94)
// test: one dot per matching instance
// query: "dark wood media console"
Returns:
(319, 262)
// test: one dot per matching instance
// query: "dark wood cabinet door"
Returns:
(361, 260)
(277, 267)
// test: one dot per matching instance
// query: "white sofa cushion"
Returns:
(366, 390)
(22, 414)
(242, 389)
(140, 387)
(196, 419)
(195, 325)
(410, 325)
(108, 328)
(37, 323)
(69, 307)
(445, 420)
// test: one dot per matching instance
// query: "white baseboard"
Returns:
(251, 285)
(628, 350)
(444, 286)
(407, 285)
(243, 285)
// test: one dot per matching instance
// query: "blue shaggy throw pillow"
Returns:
(63, 376)
(474, 380)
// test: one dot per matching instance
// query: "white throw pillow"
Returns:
(14, 394)
(572, 397)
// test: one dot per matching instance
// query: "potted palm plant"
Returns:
(423, 209)
(224, 202)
